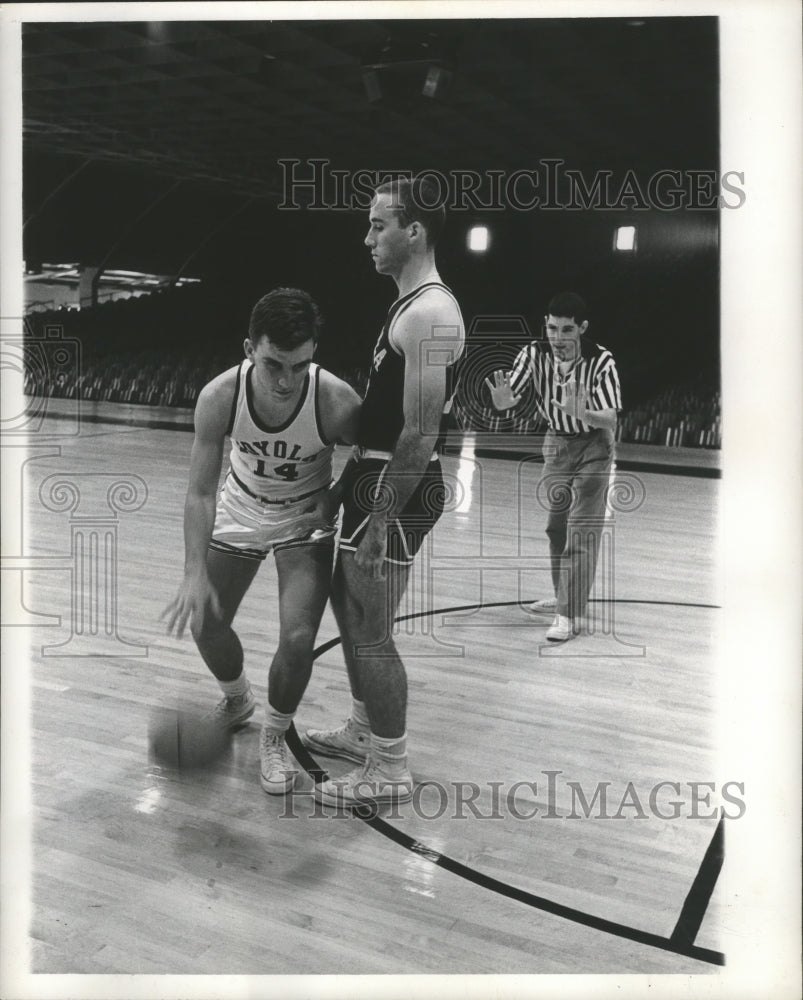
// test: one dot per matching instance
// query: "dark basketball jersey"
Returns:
(382, 412)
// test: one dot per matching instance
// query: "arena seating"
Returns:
(154, 365)
(678, 417)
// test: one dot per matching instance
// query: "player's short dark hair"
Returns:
(417, 200)
(288, 317)
(568, 304)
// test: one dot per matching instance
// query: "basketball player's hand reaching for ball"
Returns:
(502, 395)
(196, 596)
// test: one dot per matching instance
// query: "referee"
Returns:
(577, 392)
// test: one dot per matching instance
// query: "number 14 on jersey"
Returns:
(288, 471)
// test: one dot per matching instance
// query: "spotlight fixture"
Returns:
(478, 239)
(625, 238)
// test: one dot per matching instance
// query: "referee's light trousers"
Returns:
(574, 489)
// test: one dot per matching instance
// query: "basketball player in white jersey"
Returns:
(392, 492)
(284, 415)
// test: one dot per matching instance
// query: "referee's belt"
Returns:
(380, 456)
(274, 503)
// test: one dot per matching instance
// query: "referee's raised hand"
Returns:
(575, 400)
(502, 396)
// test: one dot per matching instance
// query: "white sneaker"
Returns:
(232, 713)
(560, 630)
(546, 607)
(367, 785)
(276, 772)
(348, 742)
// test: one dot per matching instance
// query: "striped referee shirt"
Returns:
(595, 369)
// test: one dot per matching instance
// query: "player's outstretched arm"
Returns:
(195, 593)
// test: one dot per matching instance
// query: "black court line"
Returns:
(694, 909)
(681, 942)
(331, 643)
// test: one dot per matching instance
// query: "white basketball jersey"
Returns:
(279, 463)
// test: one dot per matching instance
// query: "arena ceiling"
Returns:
(223, 101)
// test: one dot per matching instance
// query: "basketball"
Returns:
(185, 741)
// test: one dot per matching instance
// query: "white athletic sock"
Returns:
(358, 714)
(390, 752)
(277, 723)
(236, 688)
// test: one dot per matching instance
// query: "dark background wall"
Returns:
(657, 309)
(156, 147)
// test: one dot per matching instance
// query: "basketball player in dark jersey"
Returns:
(284, 416)
(392, 492)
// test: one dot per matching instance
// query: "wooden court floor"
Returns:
(496, 866)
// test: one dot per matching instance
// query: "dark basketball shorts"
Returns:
(363, 492)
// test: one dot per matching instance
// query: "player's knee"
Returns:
(297, 642)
